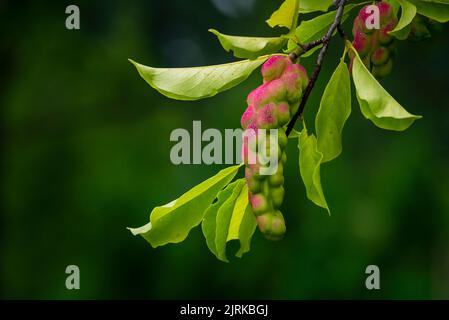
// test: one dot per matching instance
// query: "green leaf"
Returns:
(250, 47)
(294, 134)
(436, 1)
(198, 82)
(310, 160)
(224, 216)
(172, 222)
(376, 103)
(335, 109)
(230, 218)
(209, 224)
(437, 10)
(316, 28)
(408, 12)
(306, 6)
(247, 228)
(395, 4)
(243, 223)
(286, 15)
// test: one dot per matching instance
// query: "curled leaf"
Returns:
(408, 12)
(376, 103)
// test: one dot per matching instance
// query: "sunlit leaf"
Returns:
(376, 103)
(310, 160)
(286, 15)
(209, 224)
(172, 222)
(316, 28)
(197, 82)
(437, 10)
(230, 218)
(224, 216)
(250, 47)
(408, 12)
(306, 6)
(335, 108)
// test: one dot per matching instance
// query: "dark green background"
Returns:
(85, 153)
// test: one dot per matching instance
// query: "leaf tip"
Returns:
(141, 230)
(134, 63)
(211, 30)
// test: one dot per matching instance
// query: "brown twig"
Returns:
(340, 4)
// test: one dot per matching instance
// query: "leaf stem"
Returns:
(340, 4)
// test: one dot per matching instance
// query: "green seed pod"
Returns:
(272, 225)
(382, 71)
(259, 204)
(277, 196)
(276, 180)
(380, 56)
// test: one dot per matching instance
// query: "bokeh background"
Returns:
(85, 154)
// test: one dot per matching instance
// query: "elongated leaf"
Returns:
(306, 6)
(172, 222)
(310, 166)
(286, 15)
(437, 10)
(250, 47)
(317, 27)
(209, 223)
(335, 109)
(198, 82)
(224, 216)
(408, 12)
(230, 218)
(243, 223)
(247, 227)
(376, 103)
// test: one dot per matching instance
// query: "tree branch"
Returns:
(340, 4)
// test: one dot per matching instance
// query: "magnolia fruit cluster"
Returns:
(270, 106)
(375, 46)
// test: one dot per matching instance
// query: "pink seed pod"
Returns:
(283, 113)
(384, 36)
(267, 117)
(380, 56)
(259, 204)
(293, 84)
(385, 11)
(358, 26)
(303, 75)
(362, 43)
(272, 225)
(364, 14)
(274, 90)
(273, 68)
(247, 117)
(270, 106)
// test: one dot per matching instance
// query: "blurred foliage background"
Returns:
(85, 153)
